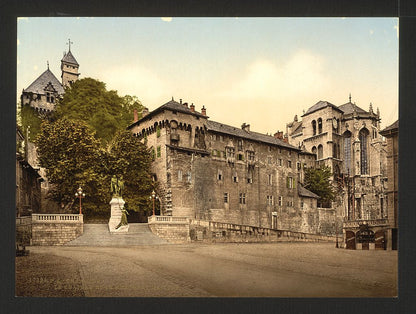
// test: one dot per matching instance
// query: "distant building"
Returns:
(44, 92)
(392, 135)
(213, 171)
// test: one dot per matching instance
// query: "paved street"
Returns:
(222, 270)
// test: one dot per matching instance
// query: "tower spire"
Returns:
(47, 62)
(350, 97)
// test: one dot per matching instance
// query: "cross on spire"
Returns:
(69, 44)
(350, 97)
(47, 62)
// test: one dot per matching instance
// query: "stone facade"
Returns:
(212, 171)
(392, 135)
(28, 180)
(346, 138)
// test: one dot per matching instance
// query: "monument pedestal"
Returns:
(116, 204)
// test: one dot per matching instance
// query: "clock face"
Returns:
(334, 123)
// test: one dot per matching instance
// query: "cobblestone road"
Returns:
(220, 270)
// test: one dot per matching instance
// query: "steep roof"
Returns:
(297, 128)
(227, 129)
(349, 108)
(69, 58)
(392, 127)
(320, 105)
(39, 85)
(305, 192)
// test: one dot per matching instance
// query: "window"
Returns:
(290, 153)
(249, 177)
(250, 155)
(298, 165)
(240, 157)
(242, 198)
(269, 148)
(280, 162)
(314, 127)
(314, 151)
(158, 151)
(189, 177)
(290, 203)
(320, 151)
(301, 204)
(280, 150)
(52, 99)
(179, 175)
(347, 151)
(158, 131)
(269, 160)
(319, 126)
(269, 179)
(270, 200)
(289, 163)
(230, 152)
(221, 138)
(48, 97)
(214, 137)
(153, 154)
(240, 145)
(226, 198)
(219, 175)
(290, 183)
(280, 201)
(235, 178)
(363, 150)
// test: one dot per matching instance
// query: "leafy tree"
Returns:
(28, 118)
(104, 111)
(128, 157)
(70, 154)
(317, 180)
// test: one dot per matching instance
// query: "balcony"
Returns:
(370, 222)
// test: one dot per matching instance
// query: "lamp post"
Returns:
(153, 197)
(81, 195)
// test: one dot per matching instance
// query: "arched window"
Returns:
(320, 151)
(314, 127)
(314, 150)
(319, 126)
(363, 150)
(347, 151)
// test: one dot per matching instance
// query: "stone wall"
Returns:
(56, 229)
(55, 233)
(174, 233)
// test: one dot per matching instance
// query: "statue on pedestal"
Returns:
(118, 220)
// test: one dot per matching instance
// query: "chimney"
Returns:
(204, 111)
(192, 107)
(185, 104)
(279, 135)
(285, 139)
(145, 112)
(245, 127)
(135, 115)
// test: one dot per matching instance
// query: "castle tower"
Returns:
(69, 68)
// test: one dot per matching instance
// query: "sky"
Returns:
(260, 71)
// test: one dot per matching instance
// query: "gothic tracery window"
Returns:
(347, 152)
(363, 150)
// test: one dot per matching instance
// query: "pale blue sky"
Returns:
(260, 71)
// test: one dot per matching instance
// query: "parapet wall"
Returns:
(56, 229)
(172, 229)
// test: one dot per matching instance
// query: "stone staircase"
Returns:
(99, 235)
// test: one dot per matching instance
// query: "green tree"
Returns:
(128, 157)
(28, 118)
(317, 180)
(71, 156)
(104, 111)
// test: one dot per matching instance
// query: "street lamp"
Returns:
(81, 195)
(153, 197)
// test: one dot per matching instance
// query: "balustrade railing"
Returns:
(57, 218)
(168, 219)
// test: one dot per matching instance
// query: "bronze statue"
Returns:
(117, 186)
(123, 221)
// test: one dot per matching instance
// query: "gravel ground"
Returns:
(207, 270)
